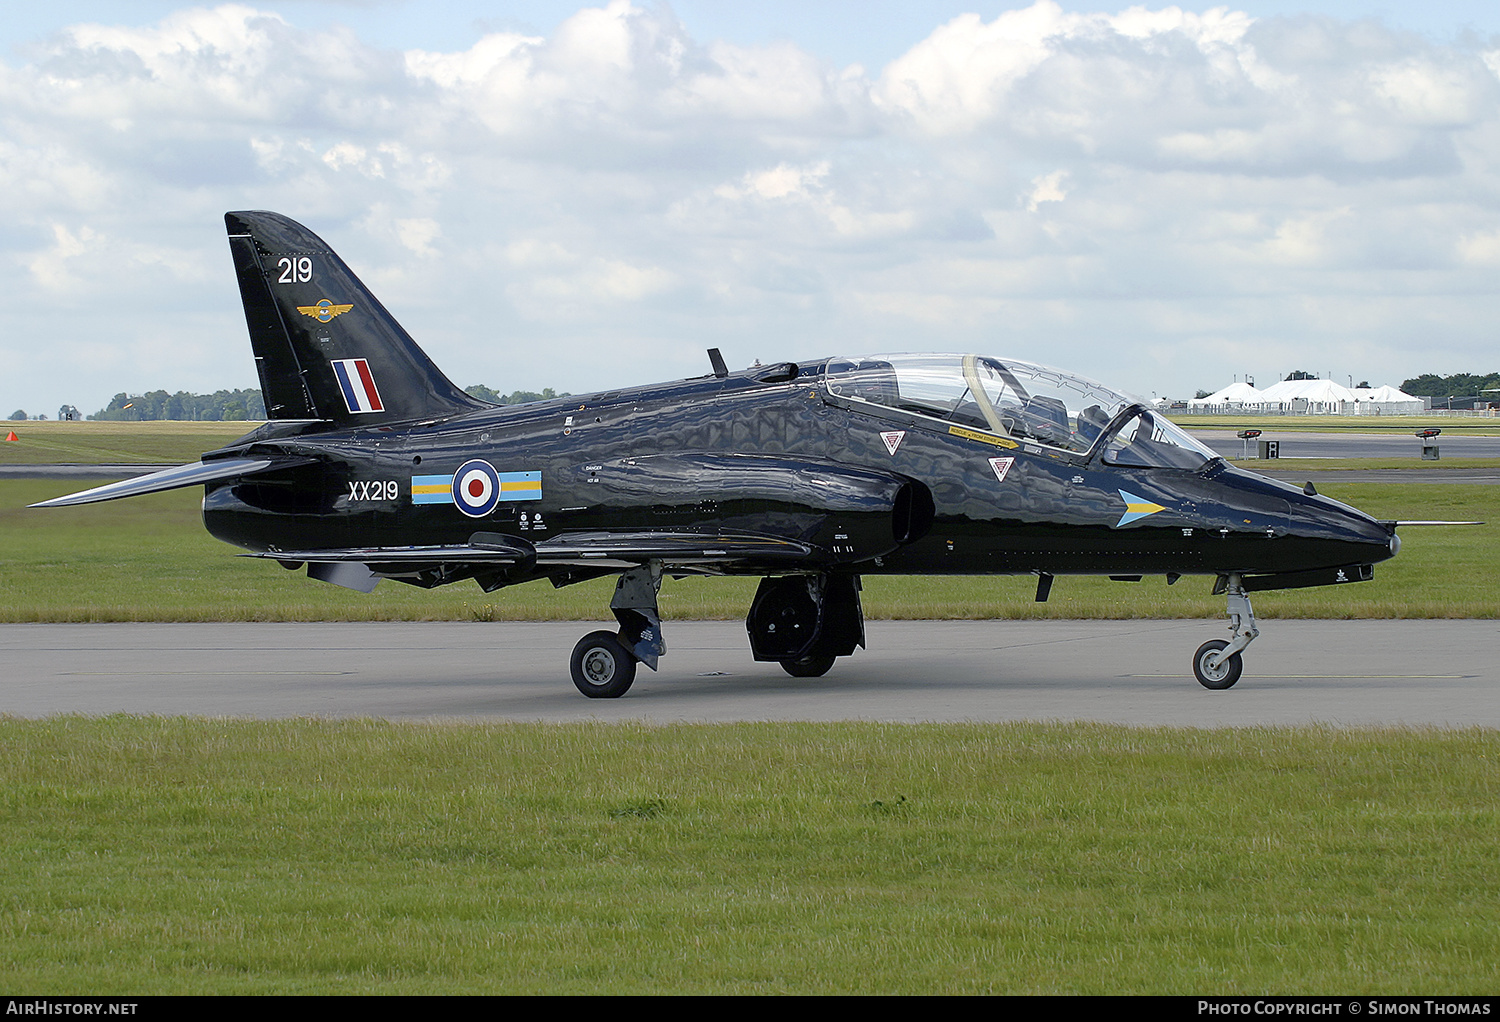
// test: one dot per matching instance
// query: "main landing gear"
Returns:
(806, 622)
(603, 663)
(602, 666)
(802, 622)
(1218, 664)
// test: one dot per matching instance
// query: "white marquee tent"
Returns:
(1237, 397)
(1315, 397)
(1307, 397)
(1385, 401)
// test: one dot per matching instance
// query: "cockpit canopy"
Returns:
(1023, 401)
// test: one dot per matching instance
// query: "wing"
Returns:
(596, 549)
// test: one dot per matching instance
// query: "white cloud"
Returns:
(781, 181)
(418, 234)
(1481, 248)
(1046, 188)
(1303, 240)
(50, 267)
(470, 68)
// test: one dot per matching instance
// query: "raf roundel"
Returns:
(476, 488)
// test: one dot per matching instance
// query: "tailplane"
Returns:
(324, 346)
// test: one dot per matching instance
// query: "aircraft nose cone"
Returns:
(1345, 533)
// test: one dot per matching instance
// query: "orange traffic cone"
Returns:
(12, 436)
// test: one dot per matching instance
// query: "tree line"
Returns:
(1457, 385)
(239, 405)
(515, 397)
(220, 406)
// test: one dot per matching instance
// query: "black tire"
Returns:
(808, 667)
(602, 667)
(1227, 672)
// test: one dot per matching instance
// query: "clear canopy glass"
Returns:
(1020, 400)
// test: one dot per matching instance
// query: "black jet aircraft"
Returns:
(810, 475)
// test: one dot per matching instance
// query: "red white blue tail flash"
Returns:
(357, 384)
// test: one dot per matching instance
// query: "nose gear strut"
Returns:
(1218, 664)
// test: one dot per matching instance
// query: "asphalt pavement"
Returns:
(1351, 444)
(1339, 673)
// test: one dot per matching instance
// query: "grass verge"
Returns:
(164, 856)
(121, 443)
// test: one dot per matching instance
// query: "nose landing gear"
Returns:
(1214, 668)
(1217, 664)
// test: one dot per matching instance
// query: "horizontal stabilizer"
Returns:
(172, 478)
(1397, 525)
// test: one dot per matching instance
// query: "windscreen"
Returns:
(1153, 441)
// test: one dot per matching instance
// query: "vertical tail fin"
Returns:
(324, 346)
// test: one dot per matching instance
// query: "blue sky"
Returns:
(558, 194)
(871, 32)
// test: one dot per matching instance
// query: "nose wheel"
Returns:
(1217, 664)
(1213, 669)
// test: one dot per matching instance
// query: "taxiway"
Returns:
(1340, 673)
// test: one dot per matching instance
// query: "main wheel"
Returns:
(1222, 676)
(808, 667)
(602, 667)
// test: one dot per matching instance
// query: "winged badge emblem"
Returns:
(324, 310)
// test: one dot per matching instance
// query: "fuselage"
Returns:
(683, 456)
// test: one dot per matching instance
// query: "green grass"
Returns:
(122, 443)
(149, 559)
(171, 856)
